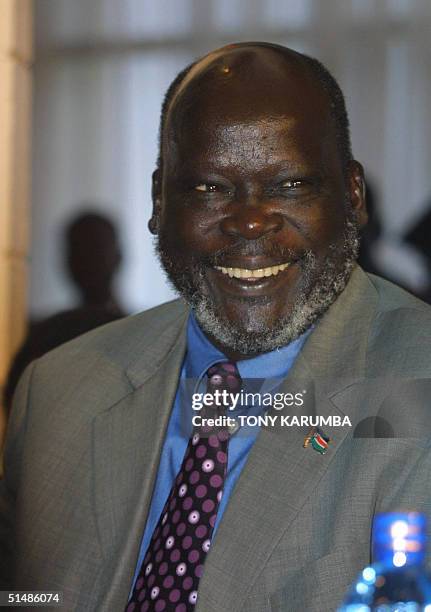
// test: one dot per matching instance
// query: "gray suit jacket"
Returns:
(87, 430)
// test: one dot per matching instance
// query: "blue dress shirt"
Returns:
(200, 356)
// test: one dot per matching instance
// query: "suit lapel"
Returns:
(128, 439)
(280, 475)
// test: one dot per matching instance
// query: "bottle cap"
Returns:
(399, 538)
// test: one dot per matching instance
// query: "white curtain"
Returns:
(102, 67)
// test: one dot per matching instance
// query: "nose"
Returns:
(251, 223)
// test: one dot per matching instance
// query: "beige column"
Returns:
(15, 132)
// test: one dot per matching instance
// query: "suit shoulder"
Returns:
(106, 352)
(143, 328)
(393, 297)
(400, 340)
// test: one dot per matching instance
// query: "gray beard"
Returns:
(317, 293)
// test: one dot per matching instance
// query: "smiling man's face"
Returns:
(256, 218)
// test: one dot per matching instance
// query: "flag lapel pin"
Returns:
(317, 440)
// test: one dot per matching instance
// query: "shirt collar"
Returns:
(201, 354)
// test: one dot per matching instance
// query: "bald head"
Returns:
(253, 80)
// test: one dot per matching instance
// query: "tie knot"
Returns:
(224, 375)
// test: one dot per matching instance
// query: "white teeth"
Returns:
(245, 273)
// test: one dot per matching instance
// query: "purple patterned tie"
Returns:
(173, 565)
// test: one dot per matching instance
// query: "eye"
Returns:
(292, 184)
(206, 187)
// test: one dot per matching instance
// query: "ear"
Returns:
(357, 191)
(156, 195)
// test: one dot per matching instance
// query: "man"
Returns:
(257, 207)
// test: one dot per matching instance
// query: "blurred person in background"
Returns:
(93, 257)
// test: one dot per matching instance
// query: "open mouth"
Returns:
(252, 275)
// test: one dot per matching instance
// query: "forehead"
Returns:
(248, 87)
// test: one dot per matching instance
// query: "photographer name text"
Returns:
(270, 420)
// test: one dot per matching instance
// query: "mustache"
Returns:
(252, 248)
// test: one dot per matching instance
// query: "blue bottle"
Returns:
(397, 580)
